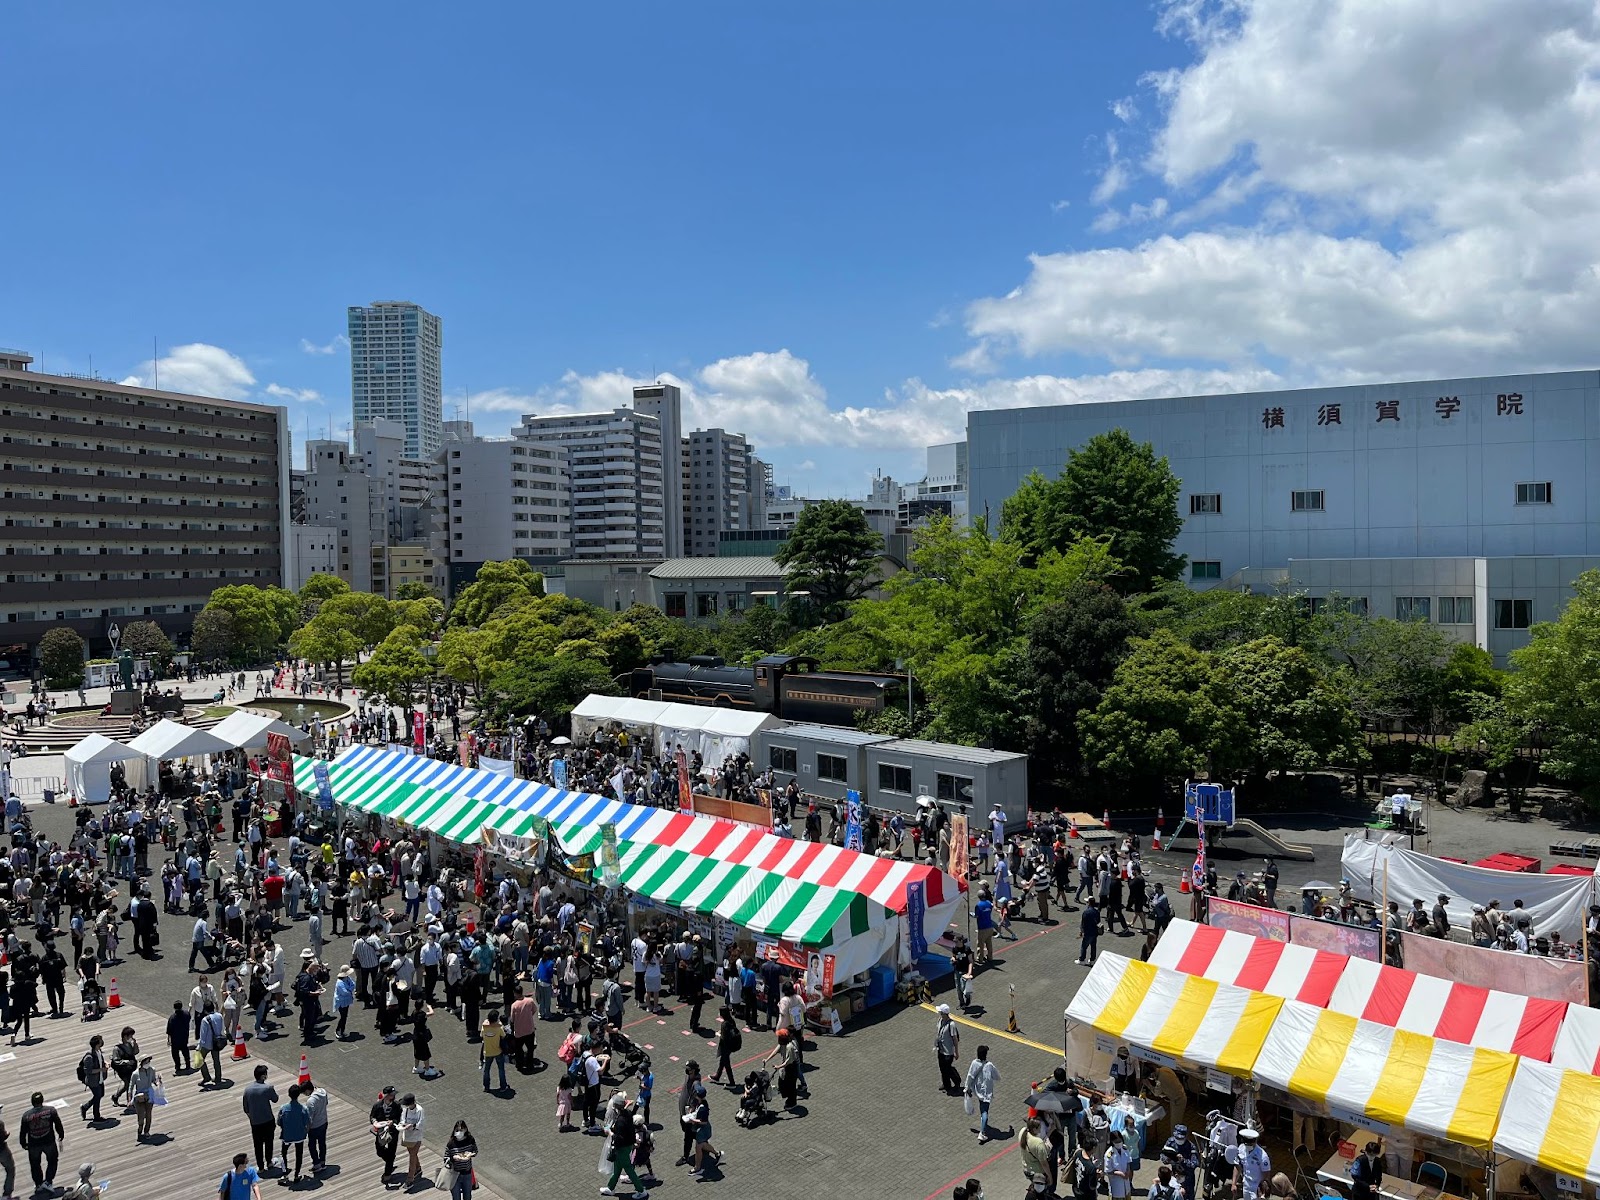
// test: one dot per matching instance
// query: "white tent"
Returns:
(89, 767)
(595, 713)
(716, 732)
(169, 739)
(248, 731)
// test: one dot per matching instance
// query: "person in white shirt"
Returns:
(983, 1077)
(1118, 1168)
(640, 949)
(411, 1122)
(1254, 1167)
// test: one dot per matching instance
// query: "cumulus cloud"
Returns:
(198, 368)
(1345, 208)
(340, 342)
(298, 395)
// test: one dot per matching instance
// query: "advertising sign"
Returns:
(558, 772)
(1258, 922)
(958, 846)
(916, 915)
(610, 861)
(853, 839)
(280, 765)
(418, 729)
(324, 786)
(685, 792)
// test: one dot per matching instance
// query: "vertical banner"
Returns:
(618, 785)
(479, 869)
(685, 793)
(472, 749)
(418, 729)
(324, 785)
(279, 763)
(464, 752)
(610, 862)
(558, 773)
(957, 865)
(916, 915)
(827, 976)
(853, 839)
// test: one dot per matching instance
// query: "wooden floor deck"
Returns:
(195, 1135)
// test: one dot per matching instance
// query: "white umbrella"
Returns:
(561, 741)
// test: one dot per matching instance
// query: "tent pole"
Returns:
(1383, 919)
(1488, 1175)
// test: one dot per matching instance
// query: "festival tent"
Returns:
(1260, 964)
(248, 731)
(1552, 1118)
(595, 713)
(170, 739)
(1357, 1068)
(1185, 1017)
(717, 733)
(1455, 1012)
(1553, 902)
(1577, 1046)
(813, 894)
(89, 767)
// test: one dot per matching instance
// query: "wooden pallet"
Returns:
(1588, 848)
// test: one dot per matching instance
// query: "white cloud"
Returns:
(1060, 206)
(298, 395)
(199, 369)
(1365, 188)
(1124, 110)
(340, 342)
(1116, 174)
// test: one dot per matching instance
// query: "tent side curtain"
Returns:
(1182, 1016)
(1388, 1075)
(1578, 1043)
(1552, 1119)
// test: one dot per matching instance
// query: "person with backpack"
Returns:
(730, 1040)
(242, 1182)
(41, 1133)
(92, 1068)
(1165, 1187)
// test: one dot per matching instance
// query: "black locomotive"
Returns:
(786, 685)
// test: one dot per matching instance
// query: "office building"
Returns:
(664, 402)
(618, 494)
(1384, 495)
(126, 503)
(718, 468)
(508, 498)
(314, 550)
(942, 491)
(394, 372)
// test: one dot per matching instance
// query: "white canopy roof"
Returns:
(168, 739)
(596, 712)
(248, 731)
(99, 748)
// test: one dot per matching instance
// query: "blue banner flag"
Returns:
(916, 917)
(853, 839)
(324, 785)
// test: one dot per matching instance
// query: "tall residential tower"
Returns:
(394, 372)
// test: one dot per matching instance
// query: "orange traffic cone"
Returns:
(1106, 820)
(1072, 828)
(115, 1000)
(1155, 839)
(1183, 883)
(240, 1052)
(72, 802)
(305, 1070)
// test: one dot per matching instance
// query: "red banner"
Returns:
(418, 729)
(1258, 922)
(280, 765)
(958, 846)
(685, 792)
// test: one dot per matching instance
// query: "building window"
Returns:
(957, 789)
(1413, 608)
(1533, 493)
(677, 605)
(894, 779)
(1513, 614)
(1205, 502)
(705, 604)
(783, 758)
(1455, 610)
(1201, 569)
(1306, 501)
(833, 767)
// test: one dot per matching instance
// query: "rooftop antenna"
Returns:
(155, 365)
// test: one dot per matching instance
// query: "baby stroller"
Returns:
(757, 1095)
(94, 1000)
(627, 1056)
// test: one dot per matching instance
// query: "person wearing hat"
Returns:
(1440, 925)
(1117, 1167)
(946, 1045)
(1253, 1168)
(142, 1086)
(85, 1188)
(1185, 1158)
(344, 998)
(1482, 929)
(412, 1119)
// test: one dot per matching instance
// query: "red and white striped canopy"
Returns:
(1578, 1044)
(1455, 1012)
(1227, 956)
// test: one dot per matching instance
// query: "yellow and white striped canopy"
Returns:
(1552, 1117)
(1387, 1075)
(1186, 1017)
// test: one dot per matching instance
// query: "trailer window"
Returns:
(894, 779)
(834, 767)
(782, 758)
(955, 788)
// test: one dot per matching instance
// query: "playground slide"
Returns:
(1274, 844)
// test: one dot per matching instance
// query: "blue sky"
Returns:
(840, 226)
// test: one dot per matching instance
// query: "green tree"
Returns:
(551, 687)
(424, 614)
(263, 618)
(1469, 674)
(1555, 689)
(215, 637)
(1496, 734)
(623, 645)
(1167, 714)
(369, 618)
(497, 585)
(464, 655)
(1111, 487)
(1073, 647)
(1396, 667)
(325, 639)
(146, 639)
(1295, 717)
(415, 590)
(833, 554)
(61, 653)
(396, 667)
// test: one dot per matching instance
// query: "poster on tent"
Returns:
(1258, 922)
(610, 860)
(685, 792)
(280, 765)
(1353, 941)
(958, 846)
(324, 785)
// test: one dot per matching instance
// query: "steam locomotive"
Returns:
(789, 686)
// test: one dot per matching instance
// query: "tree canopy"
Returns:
(1556, 686)
(833, 554)
(497, 584)
(61, 653)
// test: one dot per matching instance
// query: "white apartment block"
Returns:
(718, 474)
(508, 498)
(618, 484)
(394, 371)
(664, 402)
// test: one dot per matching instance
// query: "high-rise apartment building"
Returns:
(125, 503)
(617, 480)
(664, 402)
(719, 476)
(394, 372)
(508, 498)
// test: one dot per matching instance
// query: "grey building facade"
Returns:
(395, 371)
